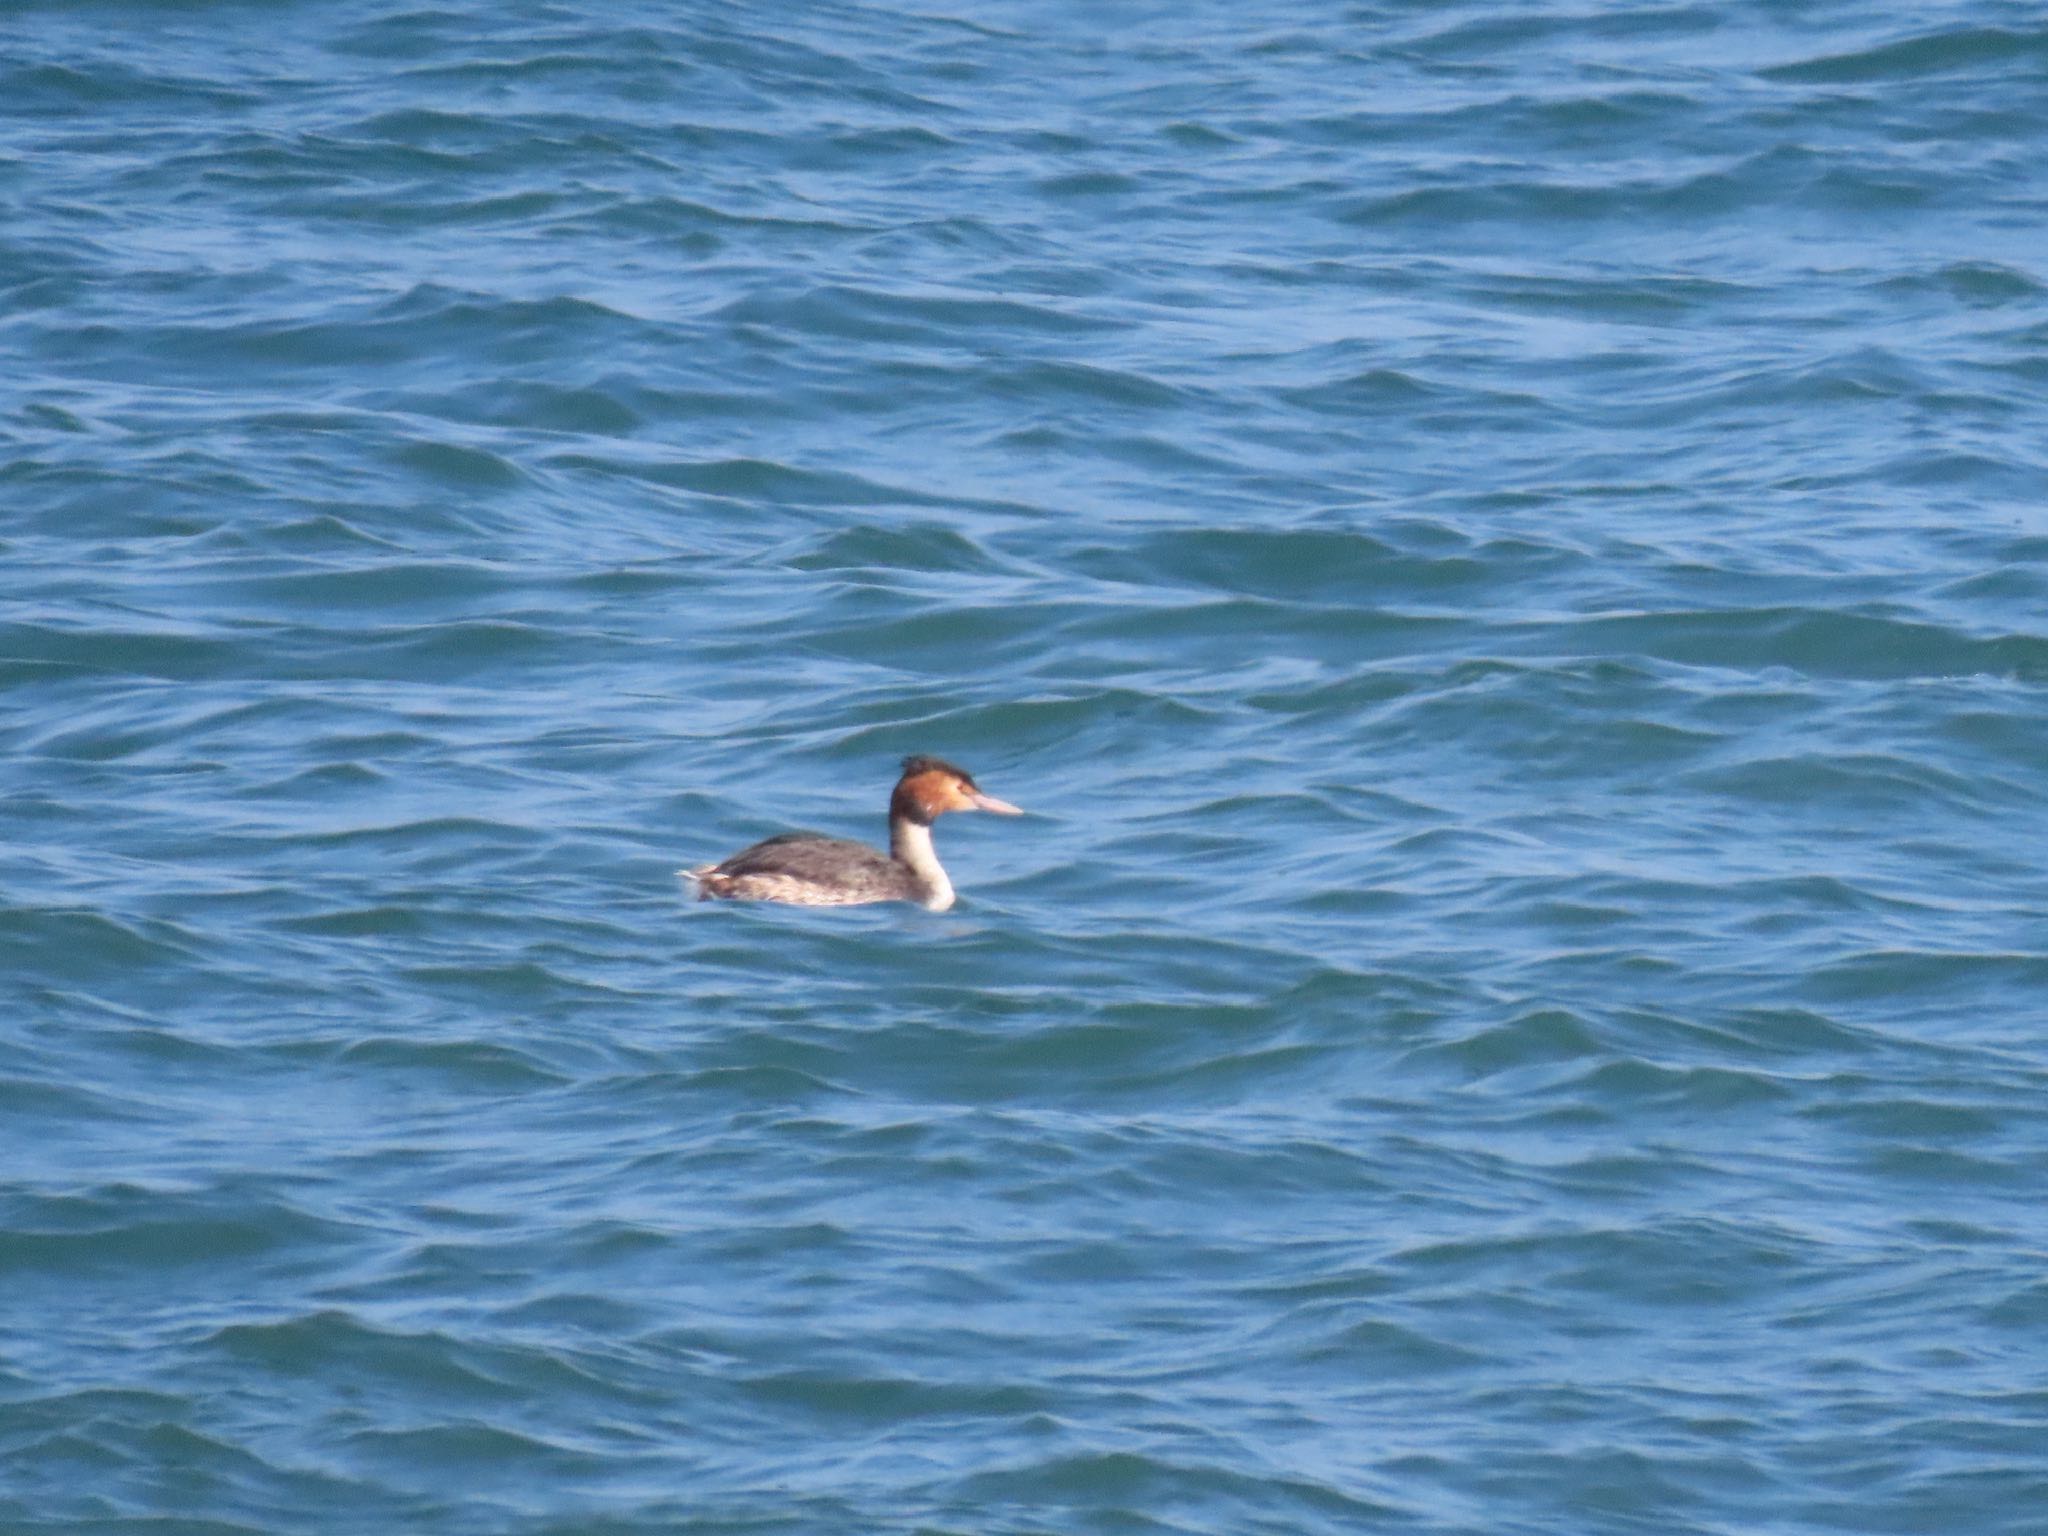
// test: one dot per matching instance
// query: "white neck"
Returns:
(911, 845)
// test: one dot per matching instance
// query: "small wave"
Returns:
(1816, 643)
(1545, 1037)
(1900, 975)
(110, 1227)
(59, 88)
(889, 1400)
(474, 1064)
(932, 547)
(1131, 1487)
(1948, 51)
(937, 317)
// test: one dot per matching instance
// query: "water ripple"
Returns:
(1501, 551)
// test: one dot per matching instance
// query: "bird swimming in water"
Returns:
(811, 870)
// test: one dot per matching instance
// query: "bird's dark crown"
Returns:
(921, 764)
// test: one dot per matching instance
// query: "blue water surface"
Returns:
(1505, 547)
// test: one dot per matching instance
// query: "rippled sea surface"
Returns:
(1505, 545)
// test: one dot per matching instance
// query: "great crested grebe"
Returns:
(811, 870)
